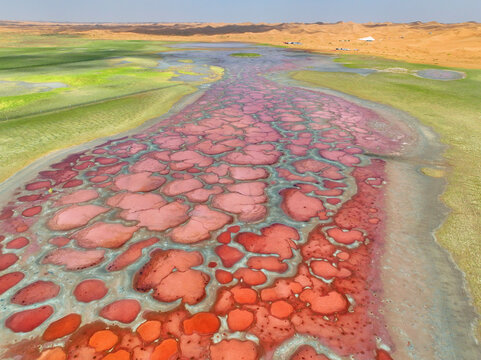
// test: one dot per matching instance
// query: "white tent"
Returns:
(368, 38)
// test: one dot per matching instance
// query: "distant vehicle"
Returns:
(367, 38)
(292, 43)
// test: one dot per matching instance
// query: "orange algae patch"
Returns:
(202, 323)
(118, 355)
(103, 340)
(244, 295)
(56, 353)
(164, 350)
(64, 326)
(281, 309)
(239, 320)
(149, 330)
(383, 355)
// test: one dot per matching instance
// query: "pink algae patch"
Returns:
(247, 173)
(331, 303)
(27, 320)
(104, 235)
(132, 254)
(163, 218)
(178, 187)
(247, 207)
(147, 165)
(17, 243)
(73, 259)
(274, 239)
(248, 188)
(75, 216)
(298, 206)
(38, 291)
(202, 221)
(169, 274)
(187, 285)
(124, 311)
(133, 202)
(142, 182)
(346, 237)
(233, 350)
(202, 195)
(9, 280)
(90, 290)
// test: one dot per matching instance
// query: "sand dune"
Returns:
(455, 45)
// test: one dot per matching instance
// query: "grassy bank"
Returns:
(59, 91)
(452, 109)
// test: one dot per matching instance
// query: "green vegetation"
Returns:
(245, 54)
(452, 109)
(57, 91)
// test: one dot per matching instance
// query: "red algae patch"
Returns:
(90, 290)
(233, 350)
(228, 255)
(32, 211)
(62, 327)
(105, 235)
(124, 311)
(39, 291)
(306, 352)
(17, 243)
(8, 281)
(201, 323)
(131, 255)
(27, 320)
(7, 260)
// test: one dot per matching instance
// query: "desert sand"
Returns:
(453, 45)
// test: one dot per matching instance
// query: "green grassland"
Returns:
(106, 87)
(245, 54)
(453, 110)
